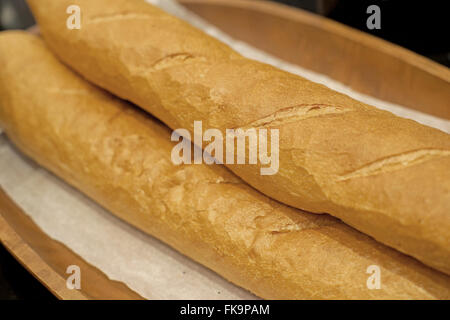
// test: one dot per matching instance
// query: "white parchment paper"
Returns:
(123, 253)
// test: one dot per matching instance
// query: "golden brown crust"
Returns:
(386, 176)
(120, 157)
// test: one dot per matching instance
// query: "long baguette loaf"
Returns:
(387, 176)
(120, 157)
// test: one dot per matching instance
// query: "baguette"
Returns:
(120, 157)
(387, 176)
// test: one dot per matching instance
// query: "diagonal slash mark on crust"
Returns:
(295, 227)
(175, 59)
(394, 163)
(119, 17)
(296, 113)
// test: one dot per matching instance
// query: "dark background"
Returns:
(421, 26)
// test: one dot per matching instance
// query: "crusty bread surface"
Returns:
(120, 157)
(387, 176)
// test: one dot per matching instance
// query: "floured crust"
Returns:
(120, 157)
(337, 155)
